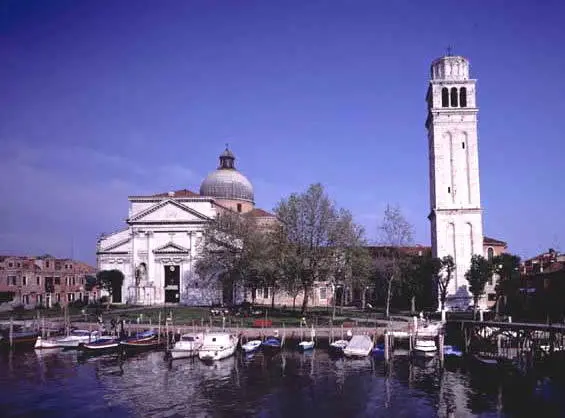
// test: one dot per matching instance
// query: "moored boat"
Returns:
(485, 360)
(20, 338)
(306, 345)
(187, 346)
(271, 344)
(425, 348)
(451, 351)
(103, 344)
(251, 346)
(379, 350)
(358, 346)
(217, 346)
(338, 346)
(72, 340)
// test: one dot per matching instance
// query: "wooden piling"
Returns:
(441, 345)
(387, 347)
(11, 332)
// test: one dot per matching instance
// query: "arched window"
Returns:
(453, 97)
(444, 97)
(239, 207)
(463, 97)
(490, 253)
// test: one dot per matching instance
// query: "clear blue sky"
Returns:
(104, 99)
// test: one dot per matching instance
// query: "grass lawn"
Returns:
(184, 315)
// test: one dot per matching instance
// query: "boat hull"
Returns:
(306, 345)
(214, 354)
(251, 346)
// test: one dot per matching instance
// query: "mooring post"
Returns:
(443, 316)
(441, 345)
(11, 332)
(387, 347)
(159, 329)
(481, 315)
(509, 318)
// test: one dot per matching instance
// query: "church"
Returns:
(157, 250)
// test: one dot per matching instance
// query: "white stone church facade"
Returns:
(158, 249)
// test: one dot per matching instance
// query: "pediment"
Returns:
(169, 211)
(119, 247)
(171, 248)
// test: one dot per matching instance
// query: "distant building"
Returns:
(158, 249)
(45, 281)
(492, 248)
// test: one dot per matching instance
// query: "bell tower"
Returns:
(455, 199)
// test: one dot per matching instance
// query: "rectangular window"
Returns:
(323, 293)
(38, 280)
(58, 297)
(40, 300)
(57, 280)
(24, 281)
(74, 282)
(12, 280)
(26, 300)
(10, 265)
(70, 297)
(265, 293)
(47, 264)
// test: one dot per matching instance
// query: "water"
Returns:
(291, 384)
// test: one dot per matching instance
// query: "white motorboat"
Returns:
(217, 346)
(306, 345)
(429, 329)
(425, 348)
(187, 346)
(251, 346)
(76, 337)
(338, 346)
(358, 346)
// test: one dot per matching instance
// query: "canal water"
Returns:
(290, 384)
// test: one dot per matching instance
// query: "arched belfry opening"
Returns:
(454, 98)
(463, 97)
(444, 97)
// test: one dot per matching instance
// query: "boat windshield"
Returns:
(80, 332)
(187, 338)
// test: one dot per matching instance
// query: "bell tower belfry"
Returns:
(455, 199)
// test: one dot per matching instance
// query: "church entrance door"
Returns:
(172, 284)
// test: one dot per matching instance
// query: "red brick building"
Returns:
(45, 281)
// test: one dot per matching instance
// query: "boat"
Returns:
(358, 346)
(484, 360)
(271, 344)
(451, 351)
(103, 344)
(19, 338)
(69, 341)
(187, 346)
(145, 340)
(251, 346)
(379, 350)
(426, 348)
(217, 346)
(429, 329)
(338, 346)
(306, 345)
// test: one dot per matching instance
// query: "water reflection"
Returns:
(287, 384)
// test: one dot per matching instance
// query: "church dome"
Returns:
(226, 182)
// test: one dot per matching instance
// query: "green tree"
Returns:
(395, 232)
(478, 274)
(319, 238)
(507, 269)
(445, 274)
(109, 280)
(420, 276)
(232, 248)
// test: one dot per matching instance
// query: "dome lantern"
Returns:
(227, 160)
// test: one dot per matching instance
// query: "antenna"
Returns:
(449, 50)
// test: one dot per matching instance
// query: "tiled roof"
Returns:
(259, 213)
(492, 241)
(178, 193)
